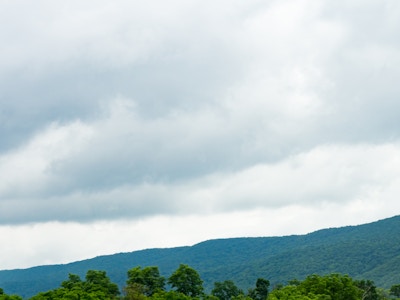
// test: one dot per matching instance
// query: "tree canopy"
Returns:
(96, 286)
(147, 280)
(186, 284)
(225, 290)
(328, 287)
(187, 281)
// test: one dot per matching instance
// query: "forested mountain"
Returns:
(370, 251)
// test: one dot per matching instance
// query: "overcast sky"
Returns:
(135, 124)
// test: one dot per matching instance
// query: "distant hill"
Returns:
(369, 251)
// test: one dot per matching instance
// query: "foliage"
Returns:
(338, 287)
(96, 286)
(225, 290)
(383, 294)
(187, 281)
(10, 297)
(170, 295)
(261, 290)
(328, 287)
(148, 280)
(148, 284)
(289, 292)
(73, 281)
(395, 290)
(98, 281)
(4, 296)
(366, 251)
(368, 289)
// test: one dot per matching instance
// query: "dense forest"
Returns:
(185, 283)
(369, 251)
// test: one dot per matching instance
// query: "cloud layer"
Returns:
(122, 113)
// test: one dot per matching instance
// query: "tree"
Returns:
(4, 296)
(10, 297)
(383, 294)
(186, 281)
(294, 282)
(336, 286)
(261, 290)
(290, 292)
(148, 280)
(329, 287)
(368, 289)
(73, 281)
(96, 286)
(395, 290)
(134, 291)
(170, 295)
(225, 290)
(98, 281)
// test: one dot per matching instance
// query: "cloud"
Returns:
(132, 112)
(79, 56)
(124, 166)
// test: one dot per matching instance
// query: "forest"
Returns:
(369, 252)
(185, 283)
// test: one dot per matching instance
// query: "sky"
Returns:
(128, 125)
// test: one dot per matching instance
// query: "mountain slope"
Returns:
(369, 251)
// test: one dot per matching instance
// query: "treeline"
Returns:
(185, 283)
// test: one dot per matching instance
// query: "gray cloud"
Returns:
(129, 111)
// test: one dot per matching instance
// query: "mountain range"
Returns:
(369, 251)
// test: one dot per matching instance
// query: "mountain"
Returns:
(368, 251)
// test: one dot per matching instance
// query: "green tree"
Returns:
(97, 286)
(134, 291)
(395, 290)
(225, 290)
(336, 286)
(261, 289)
(170, 295)
(4, 296)
(72, 282)
(382, 294)
(10, 297)
(148, 280)
(187, 281)
(97, 281)
(368, 289)
(329, 287)
(290, 292)
(241, 297)
(294, 282)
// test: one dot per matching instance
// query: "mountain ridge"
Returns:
(366, 251)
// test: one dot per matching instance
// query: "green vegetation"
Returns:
(226, 290)
(147, 281)
(395, 290)
(366, 251)
(4, 296)
(96, 286)
(186, 284)
(187, 281)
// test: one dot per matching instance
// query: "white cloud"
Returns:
(122, 166)
(139, 115)
(25, 171)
